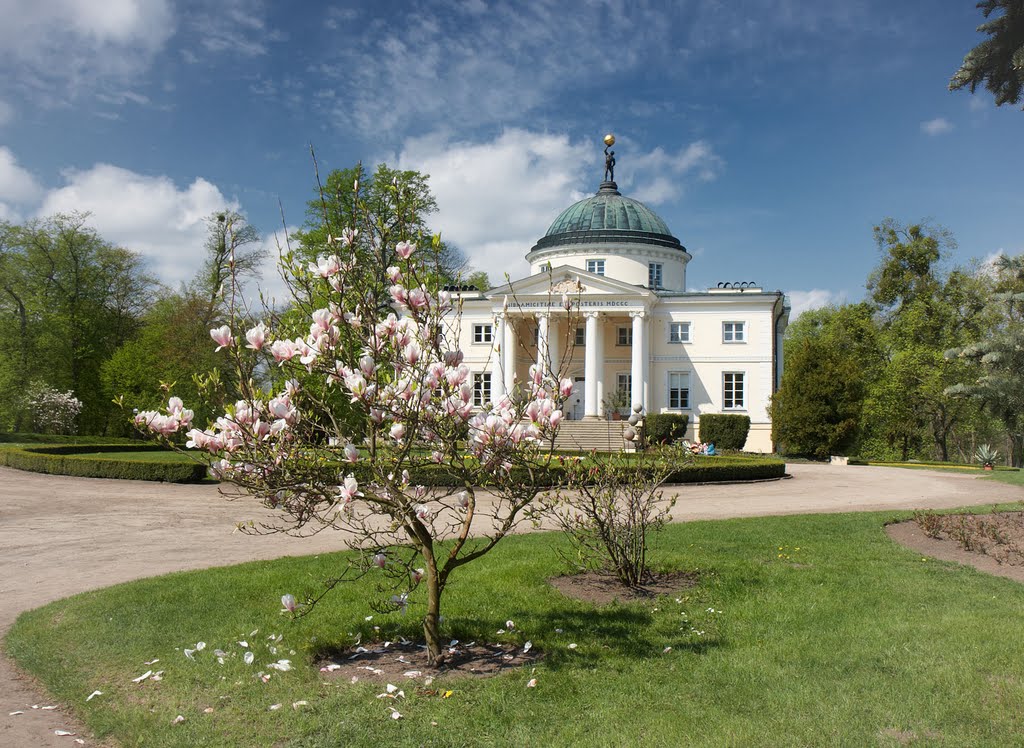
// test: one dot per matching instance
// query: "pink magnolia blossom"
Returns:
(380, 560)
(222, 336)
(256, 336)
(405, 249)
(283, 350)
(349, 489)
(416, 575)
(397, 431)
(289, 603)
(348, 236)
(395, 274)
(351, 453)
(565, 387)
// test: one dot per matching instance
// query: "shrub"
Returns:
(67, 460)
(666, 428)
(724, 430)
(609, 510)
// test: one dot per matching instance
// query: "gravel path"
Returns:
(62, 535)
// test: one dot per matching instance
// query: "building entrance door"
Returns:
(577, 407)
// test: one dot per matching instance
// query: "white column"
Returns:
(543, 357)
(508, 355)
(639, 354)
(497, 356)
(554, 345)
(648, 347)
(591, 407)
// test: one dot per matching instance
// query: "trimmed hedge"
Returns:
(702, 470)
(66, 460)
(666, 428)
(15, 437)
(724, 430)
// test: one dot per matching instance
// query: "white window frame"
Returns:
(481, 388)
(624, 382)
(655, 275)
(580, 338)
(628, 337)
(742, 404)
(674, 339)
(595, 266)
(730, 330)
(668, 391)
(483, 332)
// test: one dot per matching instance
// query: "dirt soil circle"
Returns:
(910, 535)
(605, 589)
(404, 661)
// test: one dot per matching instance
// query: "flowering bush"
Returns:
(52, 411)
(374, 378)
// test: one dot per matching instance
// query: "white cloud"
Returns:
(937, 126)
(150, 215)
(17, 184)
(58, 48)
(497, 198)
(233, 26)
(18, 187)
(658, 174)
(805, 301)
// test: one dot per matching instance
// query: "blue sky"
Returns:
(770, 134)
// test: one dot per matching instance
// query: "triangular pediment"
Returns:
(569, 280)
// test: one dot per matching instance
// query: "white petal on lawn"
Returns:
(142, 677)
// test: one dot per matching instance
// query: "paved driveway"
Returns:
(62, 535)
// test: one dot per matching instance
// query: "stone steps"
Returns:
(604, 436)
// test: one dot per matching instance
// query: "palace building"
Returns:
(633, 334)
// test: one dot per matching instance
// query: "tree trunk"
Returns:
(432, 620)
(1017, 450)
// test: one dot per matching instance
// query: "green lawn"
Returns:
(823, 632)
(140, 456)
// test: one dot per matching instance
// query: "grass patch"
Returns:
(823, 632)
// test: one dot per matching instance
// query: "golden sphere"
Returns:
(609, 139)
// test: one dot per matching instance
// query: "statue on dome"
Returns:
(609, 158)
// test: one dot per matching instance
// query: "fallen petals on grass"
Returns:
(297, 704)
(142, 677)
(275, 707)
(63, 733)
(177, 720)
(532, 683)
(249, 657)
(93, 695)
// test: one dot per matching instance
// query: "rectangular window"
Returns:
(734, 332)
(483, 333)
(679, 390)
(654, 275)
(678, 332)
(733, 394)
(624, 383)
(481, 388)
(595, 266)
(625, 336)
(581, 336)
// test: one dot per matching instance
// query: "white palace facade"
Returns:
(633, 334)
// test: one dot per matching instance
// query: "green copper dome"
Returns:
(608, 217)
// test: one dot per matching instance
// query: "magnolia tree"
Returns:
(53, 411)
(372, 428)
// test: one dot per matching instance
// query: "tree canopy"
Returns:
(998, 62)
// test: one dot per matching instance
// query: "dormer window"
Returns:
(595, 266)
